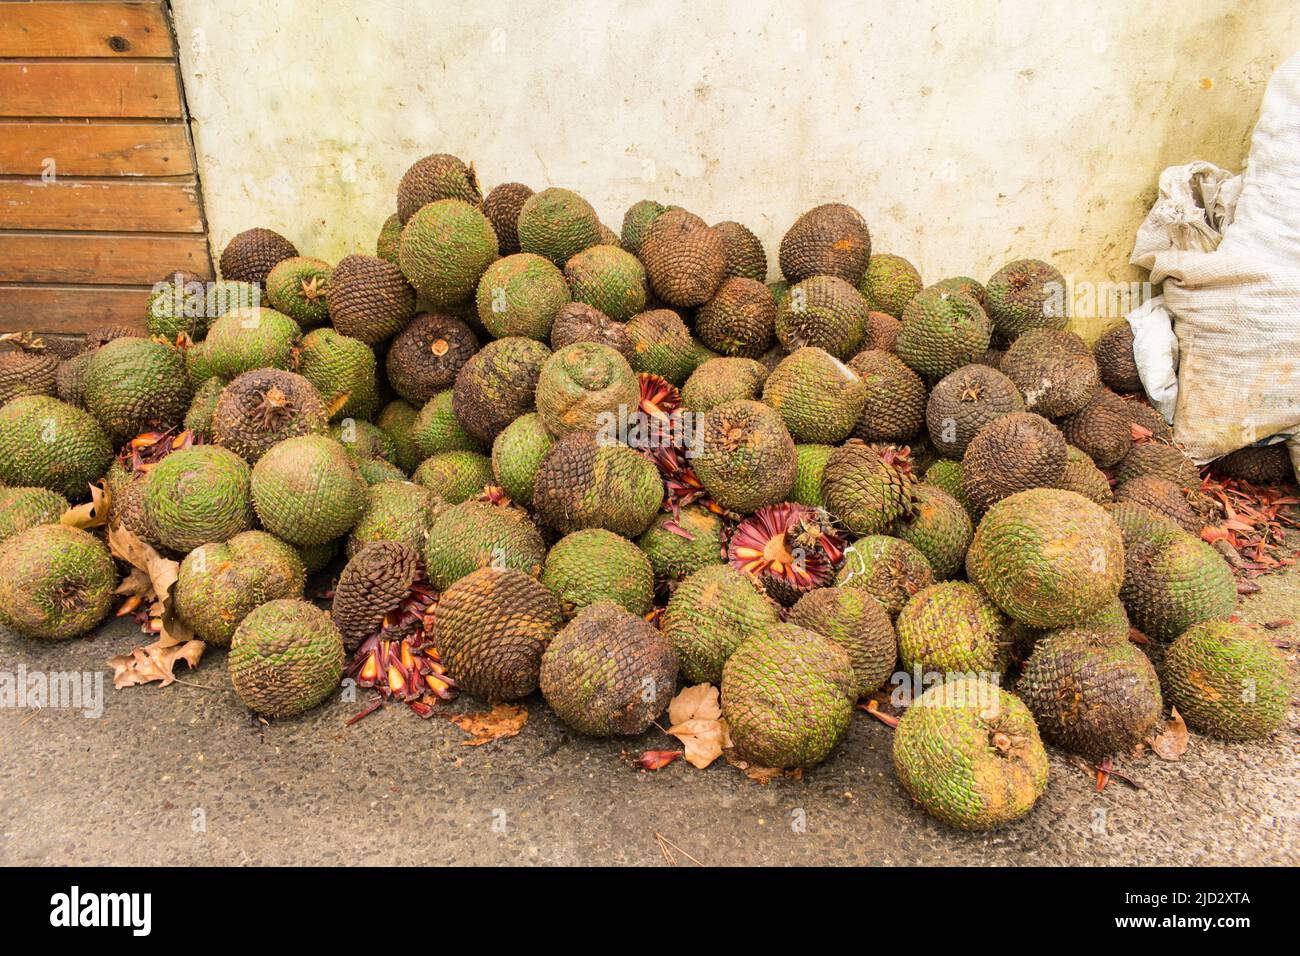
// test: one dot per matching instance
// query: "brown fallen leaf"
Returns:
(154, 662)
(94, 513)
(1171, 743)
(150, 581)
(1279, 623)
(704, 740)
(699, 702)
(763, 775)
(656, 759)
(503, 720)
(695, 718)
(160, 571)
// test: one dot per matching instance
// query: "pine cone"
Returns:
(376, 581)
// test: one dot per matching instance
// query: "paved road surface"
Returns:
(182, 775)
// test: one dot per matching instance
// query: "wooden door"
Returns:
(99, 192)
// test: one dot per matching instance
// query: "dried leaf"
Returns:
(143, 665)
(503, 720)
(150, 581)
(94, 513)
(162, 572)
(695, 718)
(1279, 623)
(704, 740)
(172, 630)
(695, 703)
(1172, 741)
(136, 585)
(762, 775)
(657, 759)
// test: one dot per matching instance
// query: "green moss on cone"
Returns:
(444, 250)
(969, 754)
(197, 495)
(1173, 581)
(679, 545)
(597, 565)
(219, 584)
(1047, 557)
(951, 627)
(939, 527)
(712, 613)
(455, 476)
(56, 582)
(889, 569)
(586, 482)
(49, 444)
(23, 508)
(857, 622)
(285, 658)
(584, 387)
(1227, 681)
(133, 385)
(746, 457)
(307, 490)
(521, 295)
(608, 672)
(787, 696)
(818, 397)
(477, 534)
(491, 628)
(1092, 693)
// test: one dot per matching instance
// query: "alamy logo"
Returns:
(37, 690)
(102, 909)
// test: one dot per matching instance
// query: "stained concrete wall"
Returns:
(967, 133)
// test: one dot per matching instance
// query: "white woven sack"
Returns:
(1237, 309)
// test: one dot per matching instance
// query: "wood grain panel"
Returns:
(84, 29)
(79, 148)
(100, 206)
(70, 309)
(99, 259)
(128, 90)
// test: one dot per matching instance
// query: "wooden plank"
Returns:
(84, 29)
(100, 206)
(79, 148)
(70, 309)
(134, 90)
(104, 260)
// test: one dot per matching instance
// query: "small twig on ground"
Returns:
(189, 683)
(664, 841)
